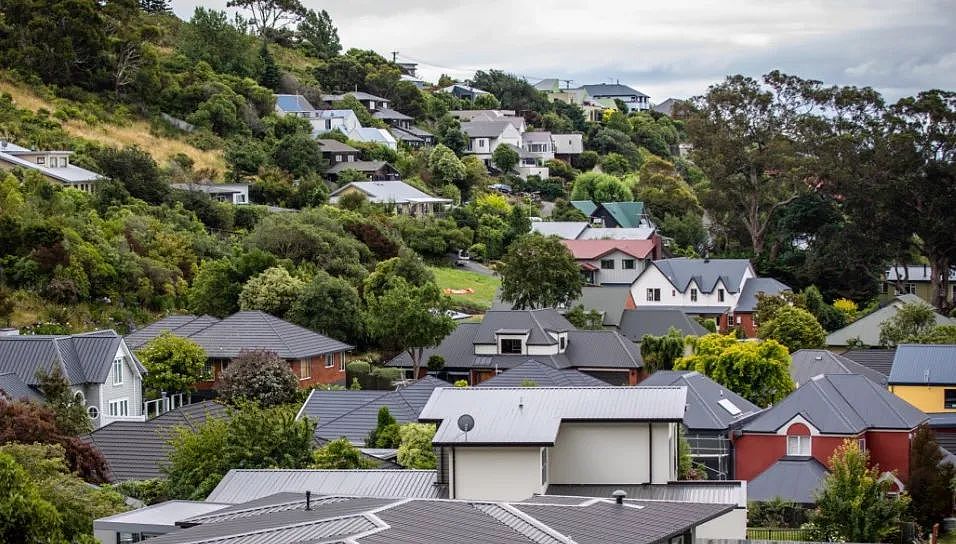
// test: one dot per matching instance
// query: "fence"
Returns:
(759, 533)
(157, 407)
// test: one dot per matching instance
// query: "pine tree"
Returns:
(930, 478)
(269, 73)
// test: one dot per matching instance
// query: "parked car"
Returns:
(501, 188)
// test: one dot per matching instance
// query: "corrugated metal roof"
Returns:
(293, 103)
(807, 363)
(584, 206)
(84, 358)
(16, 389)
(601, 90)
(704, 398)
(626, 214)
(921, 364)
(754, 286)
(594, 249)
(387, 191)
(542, 376)
(566, 230)
(358, 166)
(68, 174)
(706, 492)
(430, 522)
(533, 415)
(240, 485)
(792, 479)
(637, 323)
(867, 328)
(164, 513)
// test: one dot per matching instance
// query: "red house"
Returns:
(785, 452)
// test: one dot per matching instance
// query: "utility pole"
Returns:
(567, 83)
(394, 56)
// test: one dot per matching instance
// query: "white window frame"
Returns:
(305, 369)
(799, 445)
(342, 363)
(119, 407)
(609, 264)
(628, 264)
(118, 363)
(329, 360)
(693, 295)
(501, 346)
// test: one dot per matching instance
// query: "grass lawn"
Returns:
(456, 278)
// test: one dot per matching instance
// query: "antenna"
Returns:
(567, 83)
(465, 424)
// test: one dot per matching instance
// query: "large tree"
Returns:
(415, 450)
(270, 15)
(539, 272)
(912, 321)
(340, 454)
(598, 187)
(660, 352)
(931, 476)
(319, 35)
(273, 291)
(795, 328)
(25, 516)
(69, 407)
(173, 364)
(331, 306)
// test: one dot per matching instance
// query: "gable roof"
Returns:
(405, 135)
(710, 406)
(242, 331)
(538, 323)
(329, 145)
(391, 115)
(242, 485)
(14, 388)
(601, 90)
(543, 376)
(754, 286)
(359, 166)
(867, 328)
(610, 300)
(666, 107)
(293, 103)
(566, 230)
(626, 214)
(923, 364)
(83, 358)
(795, 479)
(484, 129)
(637, 323)
(533, 415)
(595, 249)
(704, 272)
(879, 360)
(584, 206)
(352, 414)
(389, 191)
(807, 363)
(841, 404)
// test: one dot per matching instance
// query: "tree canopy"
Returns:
(539, 272)
(173, 364)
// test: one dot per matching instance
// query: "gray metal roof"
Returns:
(705, 272)
(358, 166)
(543, 376)
(161, 515)
(68, 174)
(637, 323)
(404, 135)
(293, 103)
(703, 491)
(359, 95)
(566, 230)
(352, 414)
(921, 364)
(709, 404)
(533, 415)
(484, 129)
(867, 328)
(537, 323)
(83, 358)
(754, 286)
(243, 485)
(607, 299)
(807, 363)
(249, 330)
(879, 360)
(602, 349)
(536, 136)
(391, 114)
(795, 479)
(390, 191)
(842, 404)
(602, 90)
(329, 145)
(14, 388)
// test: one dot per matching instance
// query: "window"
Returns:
(63, 162)
(949, 400)
(544, 466)
(798, 446)
(118, 371)
(693, 295)
(119, 408)
(510, 345)
(627, 264)
(738, 320)
(351, 158)
(342, 363)
(93, 412)
(862, 444)
(338, 158)
(720, 295)
(563, 342)
(654, 295)
(607, 264)
(329, 360)
(910, 288)
(207, 371)
(305, 369)
(481, 143)
(41, 160)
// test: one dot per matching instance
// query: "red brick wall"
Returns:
(629, 302)
(319, 374)
(891, 451)
(747, 324)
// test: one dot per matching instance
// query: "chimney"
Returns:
(308, 500)
(619, 496)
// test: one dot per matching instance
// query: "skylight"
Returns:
(726, 404)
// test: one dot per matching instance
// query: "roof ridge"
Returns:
(712, 412)
(832, 406)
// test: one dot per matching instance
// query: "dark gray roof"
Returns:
(241, 331)
(609, 300)
(921, 364)
(666, 107)
(136, 450)
(543, 376)
(807, 363)
(83, 358)
(877, 359)
(795, 479)
(700, 491)
(602, 90)
(385, 192)
(391, 115)
(705, 272)
(602, 349)
(358, 166)
(417, 131)
(867, 328)
(640, 322)
(754, 286)
(843, 404)
(709, 404)
(945, 420)
(14, 388)
(352, 414)
(329, 145)
(404, 135)
(538, 323)
(242, 485)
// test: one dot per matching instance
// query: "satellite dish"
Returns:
(466, 423)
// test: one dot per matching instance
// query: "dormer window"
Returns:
(720, 295)
(511, 346)
(563, 341)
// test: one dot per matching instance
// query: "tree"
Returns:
(136, 169)
(660, 352)
(416, 450)
(273, 291)
(445, 167)
(598, 187)
(270, 15)
(795, 328)
(331, 306)
(912, 321)
(410, 318)
(25, 517)
(929, 483)
(269, 73)
(319, 35)
(539, 272)
(385, 434)
(505, 158)
(686, 468)
(854, 505)
(211, 37)
(298, 154)
(258, 376)
(215, 289)
(585, 319)
(250, 437)
(662, 190)
(69, 408)
(173, 364)
(407, 266)
(512, 92)
(435, 362)
(448, 133)
(758, 372)
(340, 454)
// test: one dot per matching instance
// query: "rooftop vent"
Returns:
(308, 500)
(619, 496)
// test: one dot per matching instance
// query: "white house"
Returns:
(405, 199)
(345, 121)
(485, 136)
(567, 146)
(612, 262)
(632, 98)
(370, 101)
(538, 145)
(233, 193)
(53, 165)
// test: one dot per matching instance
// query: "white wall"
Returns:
(730, 526)
(501, 474)
(619, 275)
(609, 453)
(131, 389)
(670, 296)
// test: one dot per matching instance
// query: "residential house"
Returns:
(353, 414)
(582, 230)
(612, 262)
(807, 363)
(374, 135)
(539, 145)
(372, 170)
(803, 430)
(402, 128)
(925, 376)
(397, 195)
(491, 115)
(485, 136)
(633, 99)
(371, 102)
(916, 280)
(667, 107)
(394, 118)
(713, 414)
(103, 373)
(865, 331)
(636, 323)
(593, 108)
(567, 146)
(463, 92)
(335, 152)
(294, 104)
(233, 193)
(244, 485)
(314, 358)
(534, 374)
(614, 214)
(505, 339)
(55, 166)
(344, 121)
(713, 288)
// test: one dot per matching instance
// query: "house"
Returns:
(294, 104)
(100, 367)
(807, 363)
(55, 166)
(394, 118)
(636, 323)
(463, 92)
(314, 358)
(372, 170)
(335, 152)
(609, 300)
(479, 116)
(713, 413)
(374, 135)
(353, 414)
(813, 421)
(538, 145)
(485, 136)
(712, 288)
(667, 107)
(567, 146)
(612, 262)
(866, 330)
(633, 99)
(925, 376)
(344, 121)
(507, 338)
(582, 230)
(916, 280)
(371, 102)
(534, 374)
(139, 450)
(233, 193)
(614, 214)
(413, 134)
(402, 197)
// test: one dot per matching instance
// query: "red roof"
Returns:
(593, 249)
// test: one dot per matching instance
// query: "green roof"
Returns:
(585, 206)
(627, 214)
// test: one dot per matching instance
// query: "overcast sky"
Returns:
(671, 48)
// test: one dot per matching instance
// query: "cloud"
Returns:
(673, 49)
